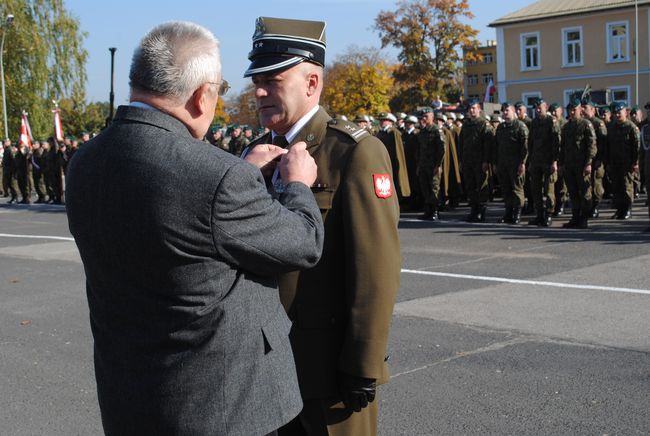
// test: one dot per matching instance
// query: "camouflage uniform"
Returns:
(622, 155)
(598, 169)
(475, 142)
(544, 141)
(512, 151)
(430, 154)
(577, 150)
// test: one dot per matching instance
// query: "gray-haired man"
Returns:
(181, 244)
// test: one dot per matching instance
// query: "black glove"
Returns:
(356, 392)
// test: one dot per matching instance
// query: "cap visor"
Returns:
(271, 64)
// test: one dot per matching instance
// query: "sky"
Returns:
(121, 24)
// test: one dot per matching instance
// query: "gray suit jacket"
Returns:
(181, 244)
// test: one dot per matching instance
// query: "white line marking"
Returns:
(528, 282)
(57, 238)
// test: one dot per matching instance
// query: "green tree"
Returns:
(429, 35)
(44, 60)
(358, 81)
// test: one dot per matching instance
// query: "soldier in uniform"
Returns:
(391, 137)
(511, 153)
(54, 166)
(237, 142)
(363, 121)
(21, 163)
(430, 155)
(38, 164)
(622, 160)
(451, 179)
(544, 151)
(341, 309)
(561, 190)
(522, 115)
(475, 141)
(411, 146)
(597, 169)
(577, 151)
(7, 171)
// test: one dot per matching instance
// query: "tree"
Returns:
(358, 81)
(241, 107)
(78, 117)
(429, 35)
(44, 60)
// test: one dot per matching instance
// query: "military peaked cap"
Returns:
(280, 43)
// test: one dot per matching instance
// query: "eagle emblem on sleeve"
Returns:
(383, 185)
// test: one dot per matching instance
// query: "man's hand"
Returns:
(554, 167)
(356, 392)
(265, 157)
(587, 170)
(485, 166)
(298, 165)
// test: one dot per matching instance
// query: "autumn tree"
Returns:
(359, 80)
(430, 36)
(44, 59)
(241, 107)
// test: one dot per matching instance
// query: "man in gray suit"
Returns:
(181, 244)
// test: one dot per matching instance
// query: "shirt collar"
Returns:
(293, 131)
(142, 105)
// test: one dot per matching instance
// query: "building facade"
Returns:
(554, 48)
(480, 74)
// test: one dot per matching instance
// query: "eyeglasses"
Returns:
(223, 87)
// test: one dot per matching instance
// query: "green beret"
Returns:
(554, 106)
(519, 104)
(618, 106)
(573, 103)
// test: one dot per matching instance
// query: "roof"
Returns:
(545, 9)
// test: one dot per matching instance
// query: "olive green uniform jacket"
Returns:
(341, 309)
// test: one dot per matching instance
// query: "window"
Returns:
(472, 79)
(487, 78)
(530, 51)
(572, 47)
(618, 42)
(487, 58)
(530, 98)
(620, 93)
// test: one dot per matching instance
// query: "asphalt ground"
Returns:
(498, 329)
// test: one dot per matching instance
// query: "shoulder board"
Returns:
(350, 129)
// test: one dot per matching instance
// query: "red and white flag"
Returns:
(489, 92)
(58, 128)
(25, 131)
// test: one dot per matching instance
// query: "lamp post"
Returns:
(112, 94)
(8, 20)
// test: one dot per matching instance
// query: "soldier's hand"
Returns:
(553, 167)
(356, 392)
(485, 166)
(635, 168)
(436, 171)
(265, 157)
(298, 165)
(587, 170)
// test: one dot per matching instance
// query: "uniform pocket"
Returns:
(323, 198)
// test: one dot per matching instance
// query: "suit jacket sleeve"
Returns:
(262, 235)
(373, 261)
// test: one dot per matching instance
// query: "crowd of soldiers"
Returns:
(537, 165)
(39, 169)
(441, 158)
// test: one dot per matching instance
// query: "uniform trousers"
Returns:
(476, 184)
(429, 186)
(329, 417)
(597, 175)
(512, 185)
(622, 186)
(543, 188)
(579, 187)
